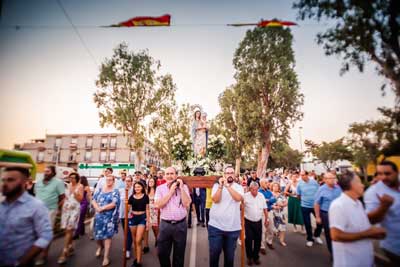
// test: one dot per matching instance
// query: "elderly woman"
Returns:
(106, 203)
(279, 220)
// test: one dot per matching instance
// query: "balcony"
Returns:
(103, 146)
(73, 146)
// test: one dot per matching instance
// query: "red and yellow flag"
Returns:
(164, 20)
(275, 23)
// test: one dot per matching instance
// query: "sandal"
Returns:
(106, 262)
(98, 251)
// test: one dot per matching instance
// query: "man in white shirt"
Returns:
(224, 225)
(351, 231)
(382, 203)
(254, 209)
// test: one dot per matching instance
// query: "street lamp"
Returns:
(301, 147)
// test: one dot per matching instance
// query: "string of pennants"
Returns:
(165, 20)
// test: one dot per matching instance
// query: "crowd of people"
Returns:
(162, 205)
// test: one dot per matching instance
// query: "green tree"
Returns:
(267, 89)
(361, 31)
(366, 141)
(329, 152)
(283, 155)
(370, 139)
(170, 122)
(130, 91)
(229, 119)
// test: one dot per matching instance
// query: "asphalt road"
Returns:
(296, 254)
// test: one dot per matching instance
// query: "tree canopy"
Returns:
(361, 31)
(267, 90)
(131, 90)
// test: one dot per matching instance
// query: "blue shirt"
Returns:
(325, 195)
(23, 223)
(391, 221)
(307, 192)
(269, 198)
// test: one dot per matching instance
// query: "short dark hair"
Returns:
(389, 163)
(110, 169)
(52, 169)
(21, 170)
(76, 176)
(345, 180)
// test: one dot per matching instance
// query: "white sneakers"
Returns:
(319, 240)
(128, 254)
(311, 243)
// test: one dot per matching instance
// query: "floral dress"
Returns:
(279, 224)
(106, 222)
(153, 212)
(70, 211)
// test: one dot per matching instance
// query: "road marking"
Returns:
(192, 262)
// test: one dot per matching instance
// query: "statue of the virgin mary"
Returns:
(199, 132)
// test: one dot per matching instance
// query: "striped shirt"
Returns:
(174, 209)
(23, 223)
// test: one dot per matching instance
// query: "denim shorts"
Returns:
(137, 220)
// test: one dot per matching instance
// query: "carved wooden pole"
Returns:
(125, 225)
(242, 234)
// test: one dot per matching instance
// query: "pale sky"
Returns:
(47, 77)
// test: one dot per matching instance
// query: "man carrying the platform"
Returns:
(173, 200)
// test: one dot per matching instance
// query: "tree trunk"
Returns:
(237, 165)
(262, 161)
(138, 160)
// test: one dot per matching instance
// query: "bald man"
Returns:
(173, 200)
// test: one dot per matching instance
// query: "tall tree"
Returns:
(170, 122)
(131, 90)
(267, 89)
(329, 152)
(361, 31)
(229, 118)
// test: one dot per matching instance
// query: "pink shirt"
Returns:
(174, 209)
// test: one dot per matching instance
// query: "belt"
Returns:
(173, 221)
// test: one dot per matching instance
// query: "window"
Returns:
(103, 155)
(103, 142)
(72, 156)
(40, 156)
(112, 155)
(54, 157)
(89, 142)
(88, 155)
(132, 156)
(58, 142)
(74, 140)
(113, 142)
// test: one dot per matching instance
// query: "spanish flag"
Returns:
(164, 20)
(275, 23)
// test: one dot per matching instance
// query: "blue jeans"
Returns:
(219, 240)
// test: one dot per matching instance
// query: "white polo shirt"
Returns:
(225, 215)
(349, 216)
(254, 206)
(391, 221)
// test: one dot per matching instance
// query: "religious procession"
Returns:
(135, 170)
